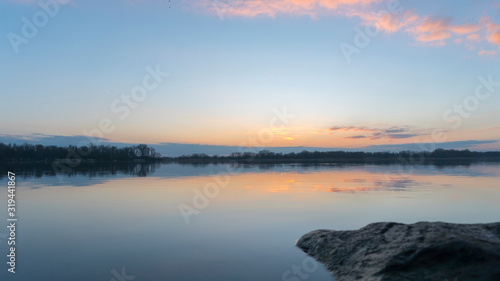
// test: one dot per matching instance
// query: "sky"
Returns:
(317, 73)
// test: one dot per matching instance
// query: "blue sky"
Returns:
(231, 67)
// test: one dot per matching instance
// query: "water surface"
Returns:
(95, 223)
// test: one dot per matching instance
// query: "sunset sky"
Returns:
(353, 73)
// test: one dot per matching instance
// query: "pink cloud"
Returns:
(486, 53)
(431, 31)
(394, 132)
(436, 31)
(465, 28)
(491, 26)
(473, 37)
(492, 31)
(335, 4)
(254, 8)
(384, 20)
(495, 38)
(423, 29)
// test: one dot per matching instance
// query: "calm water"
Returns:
(98, 223)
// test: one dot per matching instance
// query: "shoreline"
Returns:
(404, 161)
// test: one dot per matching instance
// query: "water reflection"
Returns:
(90, 170)
(391, 184)
(336, 178)
(82, 225)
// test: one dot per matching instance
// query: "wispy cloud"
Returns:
(424, 29)
(357, 137)
(385, 21)
(378, 133)
(351, 128)
(255, 8)
(430, 30)
(487, 52)
(49, 139)
(494, 38)
(438, 31)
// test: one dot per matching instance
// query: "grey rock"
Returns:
(422, 251)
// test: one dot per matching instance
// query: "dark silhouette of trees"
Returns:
(410, 157)
(30, 152)
(38, 152)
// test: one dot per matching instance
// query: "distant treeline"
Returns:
(38, 152)
(342, 156)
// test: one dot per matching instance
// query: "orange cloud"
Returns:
(486, 53)
(465, 28)
(473, 37)
(254, 8)
(436, 31)
(377, 133)
(383, 19)
(431, 30)
(492, 33)
(423, 29)
(495, 38)
(491, 26)
(336, 4)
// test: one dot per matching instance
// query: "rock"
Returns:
(422, 251)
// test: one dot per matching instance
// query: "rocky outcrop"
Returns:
(422, 251)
